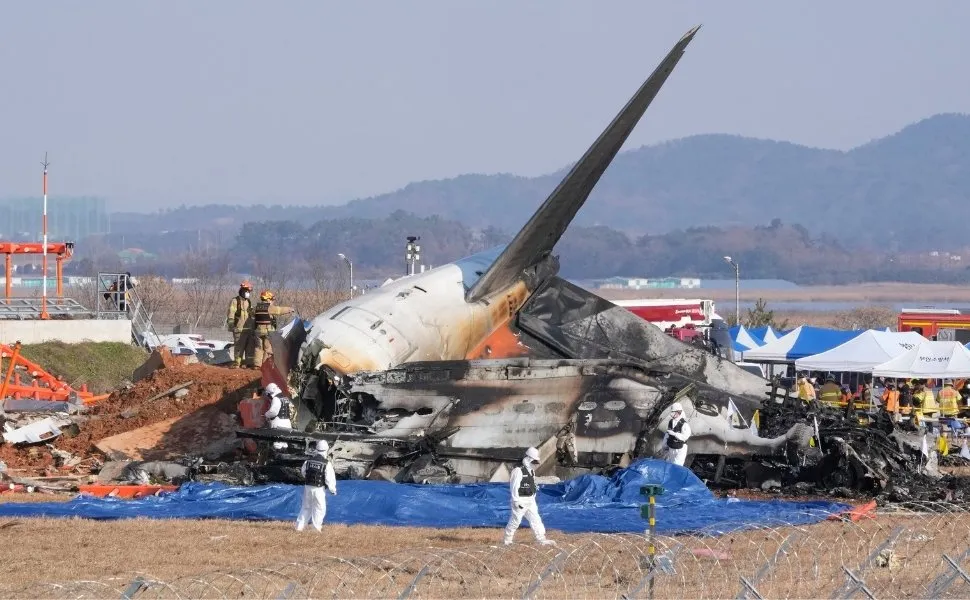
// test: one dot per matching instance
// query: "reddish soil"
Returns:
(218, 387)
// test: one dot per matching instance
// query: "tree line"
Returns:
(279, 250)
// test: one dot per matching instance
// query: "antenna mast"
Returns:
(43, 293)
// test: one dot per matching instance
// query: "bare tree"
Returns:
(206, 280)
(318, 272)
(866, 317)
(158, 297)
(272, 273)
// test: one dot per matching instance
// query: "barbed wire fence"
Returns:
(919, 551)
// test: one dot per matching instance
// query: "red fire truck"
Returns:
(936, 323)
(665, 313)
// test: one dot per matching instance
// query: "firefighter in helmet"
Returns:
(264, 317)
(239, 321)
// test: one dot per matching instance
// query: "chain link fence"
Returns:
(922, 551)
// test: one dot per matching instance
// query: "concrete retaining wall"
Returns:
(68, 331)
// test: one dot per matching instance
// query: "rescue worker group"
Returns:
(251, 326)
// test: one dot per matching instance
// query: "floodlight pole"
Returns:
(43, 293)
(737, 289)
(412, 254)
(351, 265)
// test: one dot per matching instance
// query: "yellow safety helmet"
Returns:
(266, 295)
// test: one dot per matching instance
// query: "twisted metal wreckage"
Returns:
(449, 374)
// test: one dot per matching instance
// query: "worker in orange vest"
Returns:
(890, 401)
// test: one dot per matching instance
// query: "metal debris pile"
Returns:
(171, 410)
(846, 458)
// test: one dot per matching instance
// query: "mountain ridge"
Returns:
(865, 195)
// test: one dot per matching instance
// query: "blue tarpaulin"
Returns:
(589, 503)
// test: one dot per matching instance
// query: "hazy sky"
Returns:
(307, 102)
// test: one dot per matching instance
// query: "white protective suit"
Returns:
(524, 506)
(276, 403)
(677, 455)
(314, 507)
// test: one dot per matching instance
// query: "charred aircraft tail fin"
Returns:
(536, 240)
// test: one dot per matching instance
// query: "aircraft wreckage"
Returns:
(448, 374)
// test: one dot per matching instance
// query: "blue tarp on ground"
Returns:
(588, 503)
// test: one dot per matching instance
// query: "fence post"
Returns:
(852, 582)
(748, 586)
(287, 591)
(662, 563)
(554, 564)
(414, 583)
(944, 581)
(858, 584)
(133, 588)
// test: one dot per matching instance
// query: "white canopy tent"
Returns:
(863, 352)
(770, 335)
(928, 360)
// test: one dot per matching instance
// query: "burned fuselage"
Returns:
(484, 412)
(494, 353)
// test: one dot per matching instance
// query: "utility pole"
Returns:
(43, 293)
(737, 289)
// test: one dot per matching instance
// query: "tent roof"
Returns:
(928, 360)
(800, 342)
(863, 352)
(743, 339)
(766, 333)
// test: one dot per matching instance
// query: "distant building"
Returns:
(68, 219)
(641, 283)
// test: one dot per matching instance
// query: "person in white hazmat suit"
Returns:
(279, 413)
(522, 484)
(317, 472)
(678, 432)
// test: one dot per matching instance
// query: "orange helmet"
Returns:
(246, 285)
(266, 295)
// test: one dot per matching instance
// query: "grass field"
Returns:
(264, 559)
(102, 366)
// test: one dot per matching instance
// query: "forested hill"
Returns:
(876, 194)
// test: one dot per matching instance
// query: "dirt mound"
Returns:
(126, 410)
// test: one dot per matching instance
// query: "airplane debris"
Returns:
(37, 432)
(172, 391)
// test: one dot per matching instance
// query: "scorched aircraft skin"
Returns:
(494, 353)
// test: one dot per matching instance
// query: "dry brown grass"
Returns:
(19, 497)
(366, 561)
(206, 305)
(169, 549)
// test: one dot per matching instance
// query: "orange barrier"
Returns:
(251, 411)
(854, 514)
(127, 492)
(38, 383)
